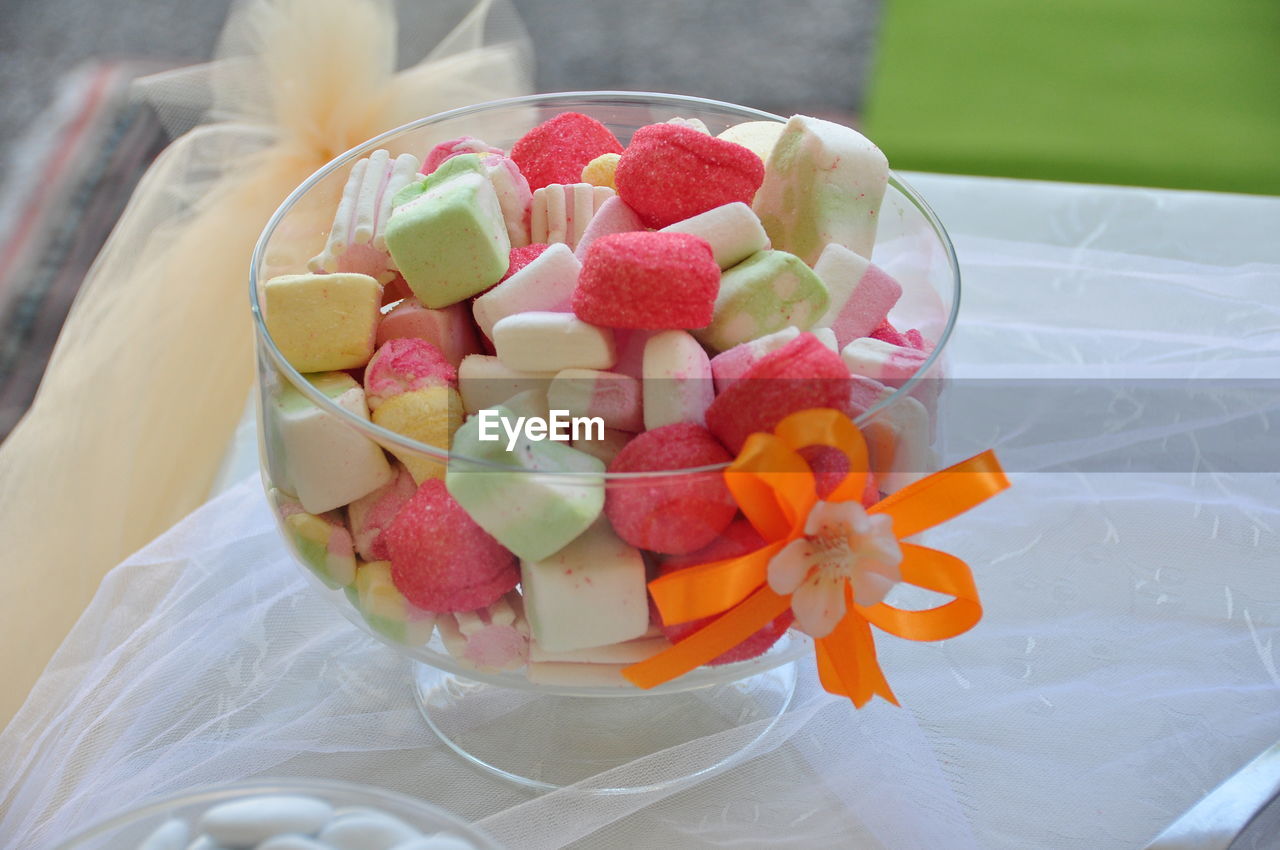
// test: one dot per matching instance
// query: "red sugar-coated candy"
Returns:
(669, 173)
(829, 467)
(677, 514)
(802, 374)
(523, 256)
(555, 151)
(648, 281)
(738, 539)
(441, 560)
(404, 364)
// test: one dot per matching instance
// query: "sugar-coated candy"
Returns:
(326, 461)
(523, 256)
(532, 515)
(489, 639)
(371, 515)
(802, 374)
(766, 292)
(386, 609)
(357, 241)
(562, 212)
(669, 173)
(448, 329)
(650, 281)
(557, 150)
(441, 560)
(677, 380)
(248, 822)
(456, 147)
(322, 542)
(759, 137)
(447, 234)
(484, 381)
(733, 231)
(676, 514)
(589, 593)
(615, 398)
(823, 183)
(323, 322)
(613, 216)
(599, 171)
(862, 294)
(542, 342)
(606, 446)
(402, 365)
(731, 364)
(886, 332)
(739, 538)
(546, 283)
(882, 361)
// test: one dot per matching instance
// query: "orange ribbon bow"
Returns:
(776, 490)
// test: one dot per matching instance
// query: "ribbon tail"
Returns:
(941, 573)
(943, 495)
(716, 638)
(847, 663)
(712, 588)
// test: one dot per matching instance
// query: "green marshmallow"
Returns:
(533, 515)
(766, 292)
(447, 235)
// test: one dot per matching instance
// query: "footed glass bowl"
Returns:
(457, 670)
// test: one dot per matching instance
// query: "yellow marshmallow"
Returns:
(323, 322)
(599, 171)
(429, 415)
(757, 136)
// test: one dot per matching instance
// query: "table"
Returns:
(1126, 663)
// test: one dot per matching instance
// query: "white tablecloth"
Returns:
(1126, 663)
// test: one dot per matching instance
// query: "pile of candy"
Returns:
(684, 291)
(290, 822)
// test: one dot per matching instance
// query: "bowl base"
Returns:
(547, 741)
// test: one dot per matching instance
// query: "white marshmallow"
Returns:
(483, 381)
(547, 283)
(560, 213)
(827, 337)
(677, 380)
(733, 231)
(540, 342)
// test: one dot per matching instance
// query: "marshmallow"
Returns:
(590, 593)
(615, 398)
(544, 342)
(328, 463)
(323, 322)
(357, 241)
(614, 216)
(448, 329)
(429, 415)
(677, 380)
(386, 610)
(882, 361)
(529, 403)
(560, 213)
(546, 284)
(861, 293)
(733, 231)
(823, 183)
(827, 337)
(484, 382)
(600, 171)
(322, 542)
(692, 123)
(447, 234)
(607, 447)
(627, 652)
(514, 196)
(371, 515)
(532, 515)
(763, 294)
(728, 366)
(757, 136)
(491, 639)
(898, 444)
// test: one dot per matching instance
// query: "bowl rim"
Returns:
(388, 438)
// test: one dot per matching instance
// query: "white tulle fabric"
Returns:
(150, 372)
(1126, 663)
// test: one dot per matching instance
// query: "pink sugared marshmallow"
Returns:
(449, 329)
(889, 364)
(886, 332)
(404, 365)
(371, 515)
(862, 294)
(614, 397)
(631, 343)
(613, 216)
(456, 147)
(490, 639)
(728, 366)
(548, 342)
(677, 380)
(561, 213)
(545, 284)
(732, 230)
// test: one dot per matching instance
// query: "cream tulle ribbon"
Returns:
(154, 364)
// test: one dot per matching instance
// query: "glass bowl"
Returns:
(911, 245)
(130, 829)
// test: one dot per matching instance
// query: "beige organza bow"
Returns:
(155, 362)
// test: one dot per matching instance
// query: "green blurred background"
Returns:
(1173, 93)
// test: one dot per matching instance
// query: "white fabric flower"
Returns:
(841, 543)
